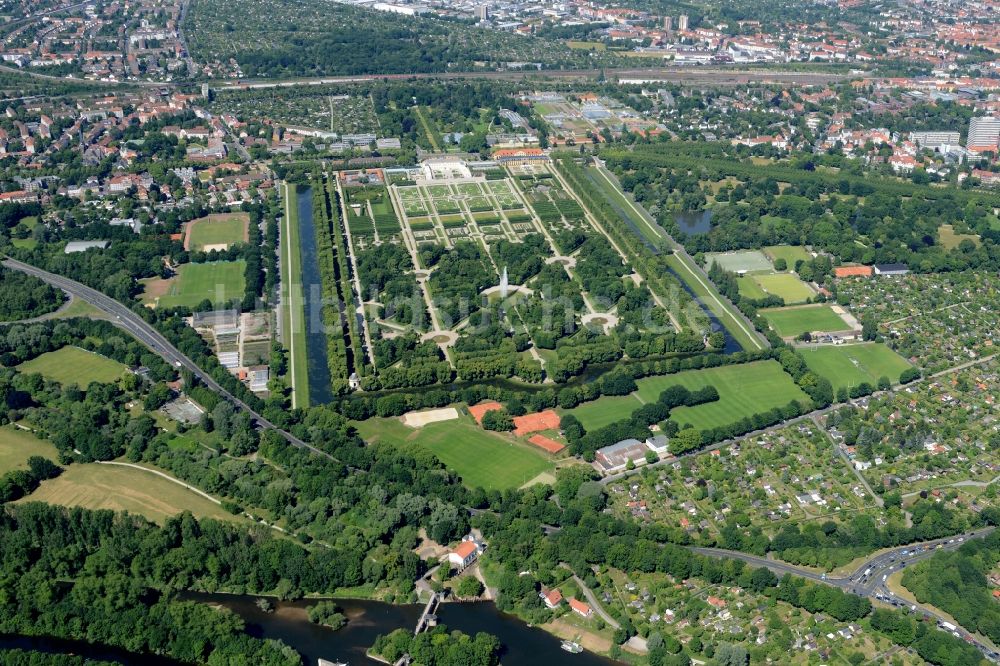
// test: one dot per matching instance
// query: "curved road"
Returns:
(869, 579)
(132, 323)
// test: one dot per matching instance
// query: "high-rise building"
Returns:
(984, 132)
(482, 12)
(668, 24)
(682, 22)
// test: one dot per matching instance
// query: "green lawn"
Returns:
(949, 239)
(219, 281)
(601, 412)
(790, 253)
(785, 285)
(17, 445)
(218, 230)
(790, 322)
(743, 390)
(749, 288)
(481, 458)
(850, 365)
(292, 303)
(72, 365)
(24, 243)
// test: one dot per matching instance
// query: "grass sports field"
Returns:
(218, 281)
(790, 253)
(743, 260)
(94, 486)
(17, 445)
(72, 365)
(790, 322)
(850, 365)
(743, 390)
(482, 458)
(215, 231)
(785, 285)
(599, 413)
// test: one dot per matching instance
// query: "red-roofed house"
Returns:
(465, 553)
(552, 598)
(580, 608)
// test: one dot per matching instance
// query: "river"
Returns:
(320, 382)
(522, 645)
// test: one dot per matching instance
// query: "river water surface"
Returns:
(523, 645)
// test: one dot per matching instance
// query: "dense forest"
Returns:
(110, 579)
(957, 583)
(855, 217)
(23, 296)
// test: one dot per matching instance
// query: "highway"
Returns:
(125, 319)
(871, 577)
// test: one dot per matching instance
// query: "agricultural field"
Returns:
(482, 458)
(935, 321)
(852, 364)
(792, 322)
(219, 282)
(72, 365)
(119, 488)
(17, 445)
(744, 390)
(217, 231)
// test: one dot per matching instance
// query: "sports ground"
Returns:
(482, 458)
(218, 281)
(217, 231)
(744, 390)
(791, 322)
(851, 365)
(72, 365)
(790, 253)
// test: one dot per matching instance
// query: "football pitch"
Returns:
(606, 410)
(791, 322)
(482, 458)
(850, 365)
(219, 282)
(72, 365)
(217, 231)
(744, 390)
(787, 286)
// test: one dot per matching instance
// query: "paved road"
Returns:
(870, 577)
(130, 322)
